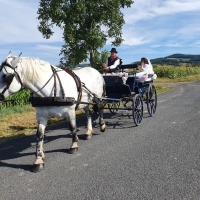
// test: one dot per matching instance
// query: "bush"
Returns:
(19, 98)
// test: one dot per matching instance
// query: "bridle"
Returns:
(8, 78)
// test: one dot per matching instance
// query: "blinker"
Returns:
(8, 78)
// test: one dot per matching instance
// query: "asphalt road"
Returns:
(160, 159)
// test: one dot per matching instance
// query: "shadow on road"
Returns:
(14, 148)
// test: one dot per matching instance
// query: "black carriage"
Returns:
(126, 95)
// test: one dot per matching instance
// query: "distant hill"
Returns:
(177, 60)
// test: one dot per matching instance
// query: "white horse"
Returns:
(55, 94)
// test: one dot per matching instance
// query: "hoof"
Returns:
(73, 150)
(88, 137)
(103, 128)
(37, 167)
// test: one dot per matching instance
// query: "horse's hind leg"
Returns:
(89, 132)
(38, 165)
(72, 126)
(101, 121)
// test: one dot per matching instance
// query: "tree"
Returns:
(99, 58)
(86, 24)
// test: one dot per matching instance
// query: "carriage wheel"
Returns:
(137, 109)
(113, 107)
(151, 100)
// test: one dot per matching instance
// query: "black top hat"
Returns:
(113, 50)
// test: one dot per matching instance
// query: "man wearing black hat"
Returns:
(113, 61)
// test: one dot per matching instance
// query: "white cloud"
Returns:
(154, 22)
(146, 10)
(47, 48)
(18, 23)
(177, 6)
(195, 43)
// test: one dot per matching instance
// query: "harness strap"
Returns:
(54, 85)
(56, 75)
(78, 85)
(51, 101)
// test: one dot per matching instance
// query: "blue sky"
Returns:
(153, 29)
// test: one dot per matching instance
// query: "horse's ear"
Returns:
(10, 54)
(15, 60)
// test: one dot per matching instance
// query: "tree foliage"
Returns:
(86, 24)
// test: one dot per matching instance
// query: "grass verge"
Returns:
(21, 120)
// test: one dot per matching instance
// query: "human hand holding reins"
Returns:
(105, 67)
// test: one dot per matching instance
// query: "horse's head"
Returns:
(10, 81)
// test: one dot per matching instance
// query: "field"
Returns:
(176, 72)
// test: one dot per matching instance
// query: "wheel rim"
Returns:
(137, 109)
(113, 107)
(151, 100)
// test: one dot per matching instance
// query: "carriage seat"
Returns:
(113, 80)
(115, 87)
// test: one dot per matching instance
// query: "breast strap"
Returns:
(78, 85)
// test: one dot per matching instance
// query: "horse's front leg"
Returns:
(38, 165)
(72, 126)
(89, 132)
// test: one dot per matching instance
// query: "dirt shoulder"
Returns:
(170, 84)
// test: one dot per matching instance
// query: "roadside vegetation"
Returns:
(17, 118)
(175, 72)
(18, 121)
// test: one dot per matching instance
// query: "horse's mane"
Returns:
(33, 68)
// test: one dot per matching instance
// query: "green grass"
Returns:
(189, 78)
(14, 109)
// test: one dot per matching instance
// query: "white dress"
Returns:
(145, 70)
